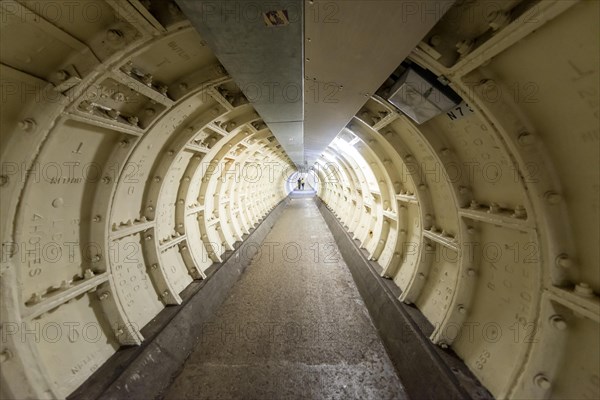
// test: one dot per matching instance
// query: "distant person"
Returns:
(302, 183)
(299, 183)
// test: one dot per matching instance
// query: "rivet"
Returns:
(149, 237)
(118, 96)
(5, 356)
(103, 296)
(462, 309)
(124, 143)
(114, 35)
(564, 261)
(97, 218)
(27, 125)
(471, 272)
(106, 179)
(58, 202)
(157, 179)
(526, 138)
(552, 197)
(62, 75)
(558, 322)
(435, 40)
(542, 382)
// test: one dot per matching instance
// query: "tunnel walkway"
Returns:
(294, 326)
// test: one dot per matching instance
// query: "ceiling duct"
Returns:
(420, 96)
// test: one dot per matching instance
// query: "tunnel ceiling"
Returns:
(264, 60)
(305, 73)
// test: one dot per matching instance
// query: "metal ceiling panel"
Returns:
(351, 48)
(260, 43)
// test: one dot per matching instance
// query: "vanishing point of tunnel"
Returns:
(298, 199)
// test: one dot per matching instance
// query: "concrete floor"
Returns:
(294, 326)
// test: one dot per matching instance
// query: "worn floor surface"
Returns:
(294, 326)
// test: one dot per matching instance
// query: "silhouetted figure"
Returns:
(299, 183)
(302, 183)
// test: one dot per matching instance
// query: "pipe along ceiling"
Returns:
(133, 157)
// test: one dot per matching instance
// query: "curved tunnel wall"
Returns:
(131, 162)
(482, 216)
(127, 152)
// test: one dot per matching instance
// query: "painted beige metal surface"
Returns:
(488, 216)
(130, 161)
(351, 47)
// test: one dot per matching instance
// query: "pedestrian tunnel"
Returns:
(137, 159)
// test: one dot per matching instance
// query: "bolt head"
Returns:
(584, 290)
